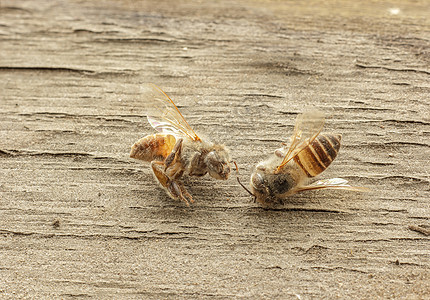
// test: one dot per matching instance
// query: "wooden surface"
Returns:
(80, 219)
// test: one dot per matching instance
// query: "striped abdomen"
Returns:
(153, 147)
(316, 157)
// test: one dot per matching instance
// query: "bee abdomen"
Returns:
(317, 156)
(153, 147)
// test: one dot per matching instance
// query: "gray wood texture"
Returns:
(80, 219)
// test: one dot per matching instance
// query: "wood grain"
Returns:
(80, 219)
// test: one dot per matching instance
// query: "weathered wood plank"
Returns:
(81, 219)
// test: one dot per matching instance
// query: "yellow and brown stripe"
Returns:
(153, 147)
(317, 156)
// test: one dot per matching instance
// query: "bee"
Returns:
(289, 169)
(176, 150)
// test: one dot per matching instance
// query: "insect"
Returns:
(289, 169)
(176, 150)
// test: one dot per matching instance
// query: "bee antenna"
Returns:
(237, 168)
(255, 197)
(238, 180)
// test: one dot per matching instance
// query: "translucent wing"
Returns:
(333, 183)
(162, 113)
(308, 126)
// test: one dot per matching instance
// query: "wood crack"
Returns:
(48, 69)
(363, 66)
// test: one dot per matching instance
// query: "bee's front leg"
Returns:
(172, 184)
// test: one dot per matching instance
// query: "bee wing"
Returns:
(333, 183)
(308, 126)
(163, 115)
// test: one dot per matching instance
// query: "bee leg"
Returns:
(175, 178)
(173, 187)
(186, 194)
(174, 171)
(157, 169)
(176, 152)
(176, 189)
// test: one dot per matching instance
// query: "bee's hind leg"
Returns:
(176, 152)
(185, 193)
(175, 188)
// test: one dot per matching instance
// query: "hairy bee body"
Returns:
(176, 150)
(274, 180)
(153, 147)
(193, 155)
(201, 158)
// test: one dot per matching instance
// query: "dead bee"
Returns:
(176, 150)
(308, 154)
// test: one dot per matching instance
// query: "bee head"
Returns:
(259, 186)
(218, 163)
(268, 186)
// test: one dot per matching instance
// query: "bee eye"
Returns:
(213, 162)
(257, 181)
